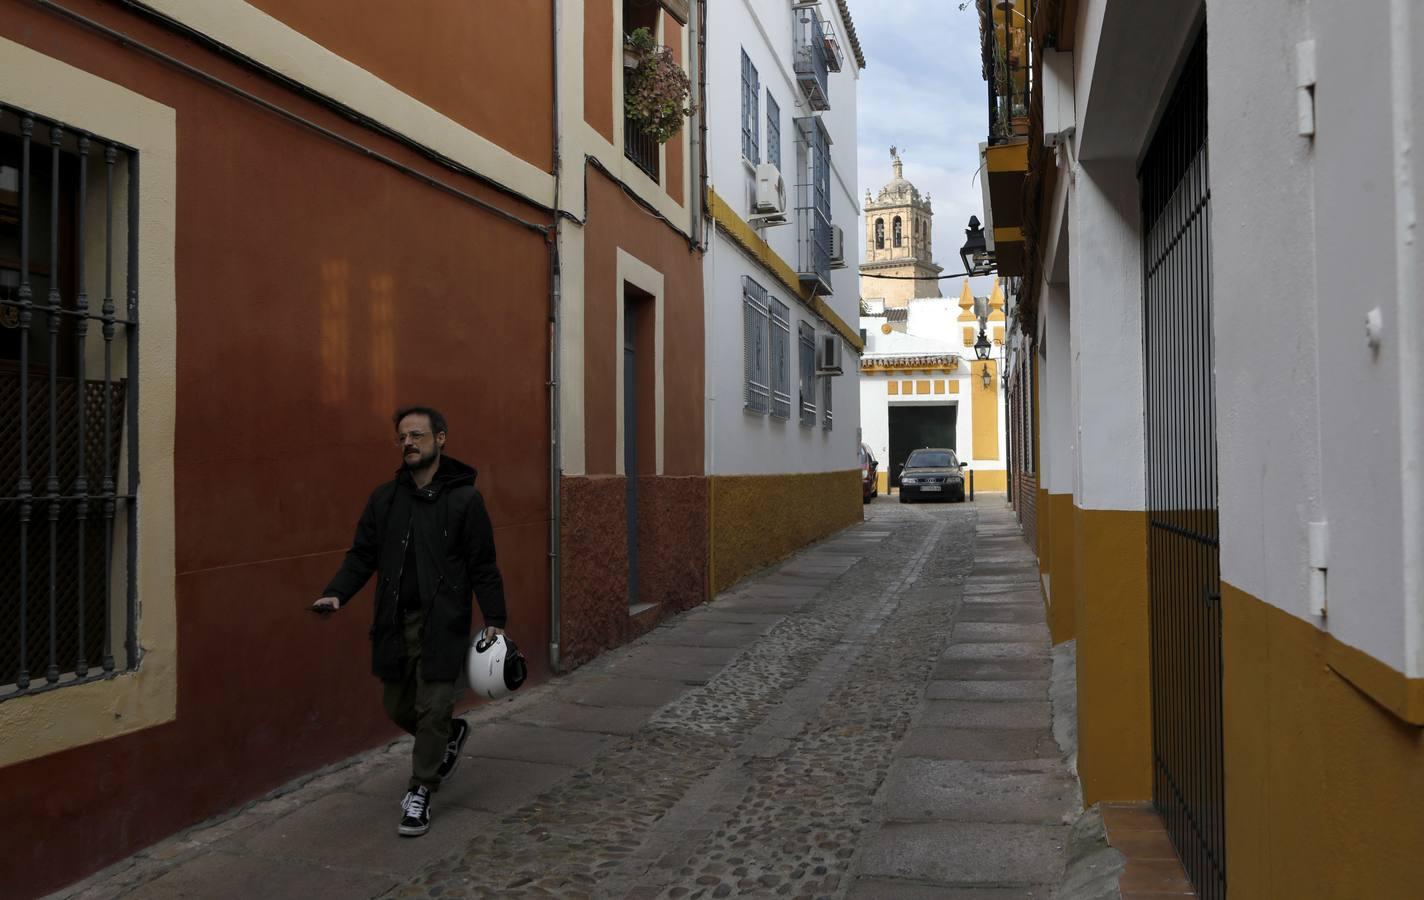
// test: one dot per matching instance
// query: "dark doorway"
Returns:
(913, 427)
(639, 437)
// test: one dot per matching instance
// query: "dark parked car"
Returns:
(932, 473)
(869, 484)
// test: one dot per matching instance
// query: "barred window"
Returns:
(68, 398)
(773, 131)
(826, 417)
(755, 350)
(806, 337)
(751, 94)
(899, 231)
(780, 359)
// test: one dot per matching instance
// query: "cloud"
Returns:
(922, 90)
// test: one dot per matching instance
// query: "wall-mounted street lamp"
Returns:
(982, 347)
(975, 252)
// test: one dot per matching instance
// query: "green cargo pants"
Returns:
(421, 708)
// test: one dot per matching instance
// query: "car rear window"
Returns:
(931, 459)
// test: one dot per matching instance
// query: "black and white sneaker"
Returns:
(415, 820)
(459, 731)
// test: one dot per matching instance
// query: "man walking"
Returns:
(427, 537)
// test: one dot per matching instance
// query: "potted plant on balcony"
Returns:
(655, 89)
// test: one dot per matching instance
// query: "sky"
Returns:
(921, 90)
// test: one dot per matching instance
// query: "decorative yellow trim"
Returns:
(986, 412)
(746, 237)
(1007, 158)
(939, 386)
(893, 388)
(1390, 688)
(1008, 235)
(871, 367)
(922, 387)
(47, 723)
(991, 481)
(954, 387)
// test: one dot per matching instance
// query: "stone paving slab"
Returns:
(224, 876)
(1037, 792)
(994, 669)
(684, 673)
(1025, 593)
(531, 743)
(942, 742)
(987, 690)
(711, 634)
(497, 785)
(974, 714)
(898, 889)
(321, 833)
(1025, 632)
(621, 690)
(966, 854)
(1034, 649)
(663, 654)
(604, 720)
(1014, 613)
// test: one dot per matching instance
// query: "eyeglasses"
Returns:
(413, 436)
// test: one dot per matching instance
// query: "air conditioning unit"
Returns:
(828, 361)
(770, 203)
(803, 4)
(837, 248)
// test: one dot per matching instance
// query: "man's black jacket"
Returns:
(454, 548)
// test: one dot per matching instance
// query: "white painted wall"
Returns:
(1056, 443)
(738, 442)
(1310, 235)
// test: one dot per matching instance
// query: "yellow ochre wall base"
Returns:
(757, 520)
(1055, 517)
(1324, 786)
(1114, 676)
(988, 481)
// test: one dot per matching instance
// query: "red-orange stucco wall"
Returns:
(316, 289)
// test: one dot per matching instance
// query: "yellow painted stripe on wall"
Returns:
(986, 411)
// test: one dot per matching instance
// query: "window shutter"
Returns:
(756, 353)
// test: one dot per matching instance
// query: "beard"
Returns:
(425, 459)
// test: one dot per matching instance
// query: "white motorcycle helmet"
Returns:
(496, 667)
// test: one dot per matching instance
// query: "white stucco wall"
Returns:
(738, 442)
(1310, 235)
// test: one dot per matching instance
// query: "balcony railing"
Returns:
(640, 147)
(811, 64)
(813, 204)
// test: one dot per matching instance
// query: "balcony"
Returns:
(641, 148)
(812, 64)
(813, 205)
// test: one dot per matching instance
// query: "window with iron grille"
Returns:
(751, 94)
(827, 419)
(68, 398)
(773, 131)
(780, 359)
(756, 353)
(806, 337)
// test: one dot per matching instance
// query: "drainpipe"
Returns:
(555, 295)
(697, 43)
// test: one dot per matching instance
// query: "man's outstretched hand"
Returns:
(326, 606)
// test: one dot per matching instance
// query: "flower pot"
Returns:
(630, 58)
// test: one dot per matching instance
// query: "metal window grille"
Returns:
(69, 451)
(827, 417)
(780, 359)
(813, 204)
(755, 350)
(773, 131)
(899, 232)
(806, 338)
(1181, 479)
(751, 92)
(810, 63)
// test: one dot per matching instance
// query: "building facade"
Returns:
(922, 384)
(233, 238)
(1210, 213)
(782, 403)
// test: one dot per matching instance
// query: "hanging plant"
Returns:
(655, 89)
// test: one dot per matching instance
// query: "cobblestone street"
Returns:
(869, 719)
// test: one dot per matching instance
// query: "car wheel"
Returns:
(902, 499)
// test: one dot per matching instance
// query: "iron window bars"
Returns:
(809, 61)
(751, 92)
(780, 359)
(69, 465)
(813, 204)
(806, 338)
(773, 131)
(755, 349)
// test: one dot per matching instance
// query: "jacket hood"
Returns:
(451, 474)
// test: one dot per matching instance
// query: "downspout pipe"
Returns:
(555, 342)
(697, 42)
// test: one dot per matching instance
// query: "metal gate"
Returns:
(1183, 549)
